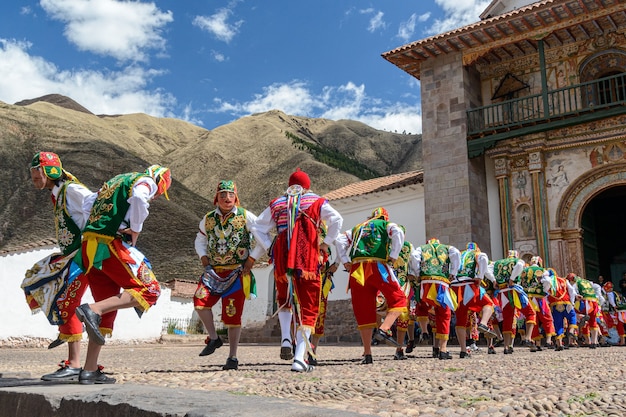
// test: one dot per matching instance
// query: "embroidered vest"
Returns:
(402, 269)
(531, 281)
(229, 240)
(435, 260)
(370, 240)
(503, 268)
(468, 264)
(111, 205)
(585, 289)
(68, 232)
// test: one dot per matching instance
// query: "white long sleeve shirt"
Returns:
(78, 202)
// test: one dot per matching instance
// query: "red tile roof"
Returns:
(389, 182)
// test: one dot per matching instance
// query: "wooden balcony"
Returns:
(553, 109)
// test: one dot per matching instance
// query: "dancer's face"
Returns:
(226, 201)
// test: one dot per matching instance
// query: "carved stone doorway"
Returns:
(590, 239)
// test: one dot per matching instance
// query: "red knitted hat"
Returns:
(301, 178)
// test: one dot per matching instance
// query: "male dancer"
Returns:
(512, 298)
(586, 301)
(224, 244)
(537, 283)
(58, 298)
(111, 261)
(436, 266)
(368, 251)
(560, 301)
(296, 216)
(471, 296)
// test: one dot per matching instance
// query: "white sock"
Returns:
(284, 318)
(302, 336)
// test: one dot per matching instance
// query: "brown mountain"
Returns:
(258, 152)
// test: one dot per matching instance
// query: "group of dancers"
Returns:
(425, 285)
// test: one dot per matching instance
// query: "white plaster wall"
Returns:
(405, 206)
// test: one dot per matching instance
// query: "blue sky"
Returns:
(212, 62)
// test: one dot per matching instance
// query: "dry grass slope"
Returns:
(254, 151)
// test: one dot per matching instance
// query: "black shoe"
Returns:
(424, 338)
(231, 363)
(549, 345)
(92, 323)
(94, 377)
(399, 356)
(445, 355)
(558, 348)
(410, 346)
(367, 359)
(211, 346)
(486, 330)
(385, 336)
(527, 343)
(311, 360)
(64, 373)
(286, 352)
(491, 350)
(435, 352)
(464, 355)
(534, 348)
(55, 343)
(498, 343)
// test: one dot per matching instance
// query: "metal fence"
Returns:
(183, 326)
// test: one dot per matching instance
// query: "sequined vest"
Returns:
(435, 260)
(111, 205)
(586, 289)
(402, 269)
(228, 240)
(503, 268)
(370, 240)
(68, 232)
(531, 281)
(468, 264)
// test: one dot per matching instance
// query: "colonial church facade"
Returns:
(524, 132)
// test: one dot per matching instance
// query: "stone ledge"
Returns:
(27, 398)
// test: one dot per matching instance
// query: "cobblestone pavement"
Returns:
(570, 383)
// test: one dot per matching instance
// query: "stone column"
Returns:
(455, 191)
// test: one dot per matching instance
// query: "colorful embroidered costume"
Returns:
(55, 284)
(537, 284)
(108, 259)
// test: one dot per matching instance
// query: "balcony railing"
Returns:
(541, 110)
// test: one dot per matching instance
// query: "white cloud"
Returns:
(457, 14)
(376, 22)
(120, 29)
(347, 101)
(218, 56)
(406, 30)
(102, 92)
(217, 25)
